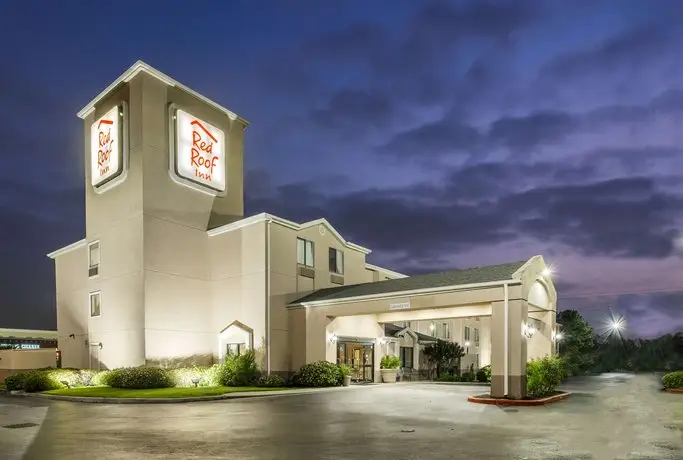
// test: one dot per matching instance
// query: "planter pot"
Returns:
(388, 375)
(347, 380)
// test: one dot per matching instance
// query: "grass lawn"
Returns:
(108, 392)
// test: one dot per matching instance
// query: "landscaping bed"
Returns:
(528, 401)
(198, 392)
(673, 382)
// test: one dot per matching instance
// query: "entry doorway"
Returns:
(360, 356)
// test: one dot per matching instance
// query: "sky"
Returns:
(439, 134)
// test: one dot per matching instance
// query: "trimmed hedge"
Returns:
(484, 374)
(318, 374)
(139, 378)
(544, 375)
(209, 376)
(240, 371)
(272, 380)
(673, 380)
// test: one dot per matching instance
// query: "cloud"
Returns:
(350, 107)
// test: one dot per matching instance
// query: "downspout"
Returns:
(268, 222)
(506, 339)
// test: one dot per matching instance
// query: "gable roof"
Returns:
(490, 273)
(392, 330)
(140, 66)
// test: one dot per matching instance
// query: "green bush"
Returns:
(271, 381)
(484, 374)
(15, 382)
(467, 377)
(448, 378)
(239, 371)
(390, 362)
(318, 374)
(209, 376)
(671, 380)
(544, 375)
(139, 378)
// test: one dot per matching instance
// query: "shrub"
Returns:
(271, 381)
(467, 377)
(448, 378)
(390, 362)
(239, 371)
(139, 378)
(15, 382)
(671, 380)
(544, 375)
(484, 374)
(209, 376)
(318, 374)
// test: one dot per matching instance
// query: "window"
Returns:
(476, 337)
(305, 251)
(95, 304)
(407, 357)
(235, 349)
(336, 261)
(467, 333)
(432, 329)
(94, 259)
(445, 331)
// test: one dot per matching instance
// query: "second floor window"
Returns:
(445, 331)
(467, 333)
(336, 261)
(94, 259)
(305, 252)
(476, 336)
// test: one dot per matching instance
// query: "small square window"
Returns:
(94, 259)
(336, 261)
(305, 252)
(95, 304)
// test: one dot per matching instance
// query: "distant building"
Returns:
(27, 339)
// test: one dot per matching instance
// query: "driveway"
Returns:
(612, 416)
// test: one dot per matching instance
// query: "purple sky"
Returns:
(441, 135)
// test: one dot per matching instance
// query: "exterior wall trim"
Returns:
(414, 292)
(73, 246)
(385, 270)
(140, 66)
(264, 217)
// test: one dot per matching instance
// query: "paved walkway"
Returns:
(608, 417)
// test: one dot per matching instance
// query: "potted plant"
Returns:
(346, 374)
(388, 367)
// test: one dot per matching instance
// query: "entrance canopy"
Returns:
(518, 297)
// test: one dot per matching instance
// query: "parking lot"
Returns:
(608, 417)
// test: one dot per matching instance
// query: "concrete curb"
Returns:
(243, 395)
(519, 402)
(462, 384)
(674, 390)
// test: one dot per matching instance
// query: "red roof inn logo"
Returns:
(105, 145)
(200, 151)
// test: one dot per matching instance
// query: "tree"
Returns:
(578, 347)
(444, 355)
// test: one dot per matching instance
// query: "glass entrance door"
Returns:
(360, 357)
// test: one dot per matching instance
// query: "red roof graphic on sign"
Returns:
(196, 122)
(106, 122)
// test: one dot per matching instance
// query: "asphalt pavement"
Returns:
(613, 416)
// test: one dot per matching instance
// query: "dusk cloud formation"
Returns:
(439, 134)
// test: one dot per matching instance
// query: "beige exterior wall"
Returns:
(16, 361)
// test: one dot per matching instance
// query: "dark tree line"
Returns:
(585, 352)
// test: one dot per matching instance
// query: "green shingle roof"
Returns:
(485, 274)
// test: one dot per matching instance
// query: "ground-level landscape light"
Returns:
(195, 381)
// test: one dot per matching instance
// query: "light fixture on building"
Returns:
(333, 338)
(467, 344)
(557, 336)
(547, 272)
(528, 330)
(432, 326)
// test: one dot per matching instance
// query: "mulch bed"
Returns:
(674, 390)
(487, 399)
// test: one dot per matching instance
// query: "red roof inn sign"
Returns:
(196, 148)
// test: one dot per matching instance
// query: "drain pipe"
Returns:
(506, 339)
(268, 222)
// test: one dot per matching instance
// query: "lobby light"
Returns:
(528, 330)
(333, 338)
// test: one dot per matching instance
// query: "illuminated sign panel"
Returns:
(199, 152)
(106, 147)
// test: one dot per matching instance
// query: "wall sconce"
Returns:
(528, 331)
(557, 336)
(72, 336)
(382, 340)
(432, 326)
(333, 338)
